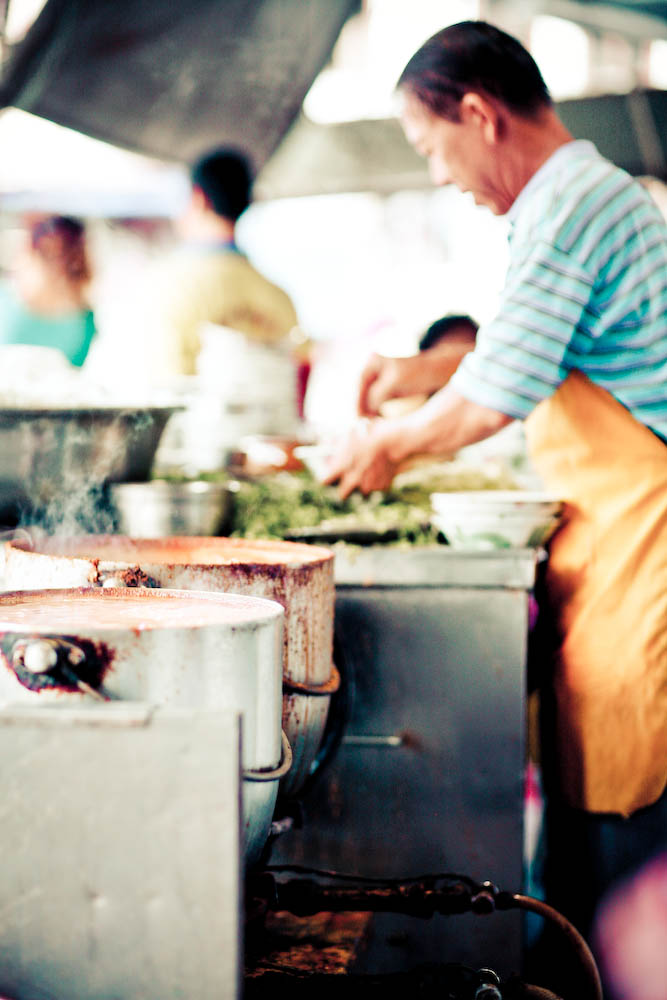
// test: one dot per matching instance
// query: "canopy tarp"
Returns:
(171, 79)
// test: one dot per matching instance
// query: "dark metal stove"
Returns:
(428, 775)
(422, 770)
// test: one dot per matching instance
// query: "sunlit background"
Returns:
(366, 271)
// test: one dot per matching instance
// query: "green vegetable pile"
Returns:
(286, 504)
(294, 505)
(280, 505)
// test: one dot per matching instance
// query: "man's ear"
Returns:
(477, 110)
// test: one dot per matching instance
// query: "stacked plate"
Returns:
(496, 519)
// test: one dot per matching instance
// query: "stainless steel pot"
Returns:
(161, 509)
(299, 577)
(165, 647)
(48, 456)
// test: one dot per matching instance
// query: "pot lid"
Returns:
(78, 610)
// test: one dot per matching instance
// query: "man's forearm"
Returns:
(444, 424)
(429, 371)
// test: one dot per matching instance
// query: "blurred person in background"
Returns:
(44, 301)
(207, 278)
(630, 934)
(577, 351)
(441, 348)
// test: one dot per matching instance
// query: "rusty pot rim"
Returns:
(173, 551)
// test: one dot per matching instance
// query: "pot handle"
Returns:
(314, 690)
(59, 659)
(274, 774)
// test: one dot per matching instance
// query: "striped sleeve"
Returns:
(520, 356)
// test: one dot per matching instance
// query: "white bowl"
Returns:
(492, 519)
(487, 499)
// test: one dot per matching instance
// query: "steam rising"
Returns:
(82, 510)
(63, 438)
(60, 462)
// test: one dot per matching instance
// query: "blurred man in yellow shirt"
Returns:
(208, 279)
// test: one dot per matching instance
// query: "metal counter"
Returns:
(435, 566)
(121, 834)
(429, 775)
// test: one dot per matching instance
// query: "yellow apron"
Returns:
(606, 583)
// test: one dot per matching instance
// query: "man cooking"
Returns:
(577, 350)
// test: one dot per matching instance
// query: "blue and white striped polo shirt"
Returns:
(586, 289)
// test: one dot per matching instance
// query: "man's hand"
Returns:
(362, 461)
(374, 450)
(415, 375)
(381, 379)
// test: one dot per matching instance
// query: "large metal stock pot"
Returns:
(49, 454)
(299, 577)
(164, 647)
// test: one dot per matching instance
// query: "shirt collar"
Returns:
(569, 150)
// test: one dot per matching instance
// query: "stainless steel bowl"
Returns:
(47, 455)
(161, 509)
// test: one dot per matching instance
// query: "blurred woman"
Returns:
(44, 302)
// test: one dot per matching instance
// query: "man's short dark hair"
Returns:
(438, 330)
(474, 56)
(225, 177)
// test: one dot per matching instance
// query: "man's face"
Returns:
(459, 153)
